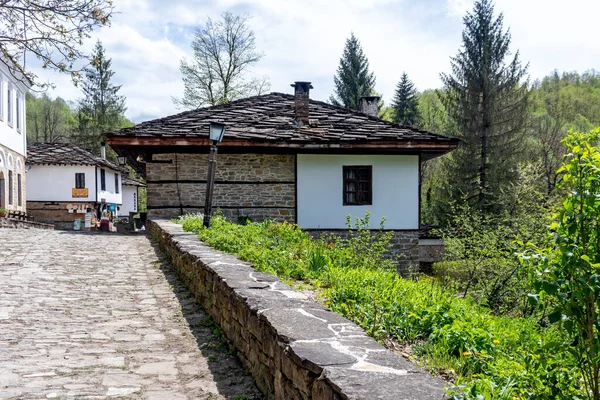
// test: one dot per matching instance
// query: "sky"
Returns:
(303, 40)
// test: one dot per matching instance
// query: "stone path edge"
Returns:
(293, 347)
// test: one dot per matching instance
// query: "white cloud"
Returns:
(304, 39)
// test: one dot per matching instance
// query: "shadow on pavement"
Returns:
(232, 381)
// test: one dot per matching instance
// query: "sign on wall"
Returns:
(77, 193)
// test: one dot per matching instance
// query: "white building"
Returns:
(13, 142)
(130, 196)
(66, 182)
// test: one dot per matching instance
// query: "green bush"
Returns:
(490, 356)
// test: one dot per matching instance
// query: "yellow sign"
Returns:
(80, 192)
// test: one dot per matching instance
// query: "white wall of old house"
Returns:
(110, 194)
(130, 194)
(56, 182)
(12, 112)
(395, 191)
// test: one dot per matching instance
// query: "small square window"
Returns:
(358, 185)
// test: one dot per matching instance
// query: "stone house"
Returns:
(65, 182)
(13, 138)
(287, 157)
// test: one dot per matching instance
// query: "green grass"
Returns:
(496, 357)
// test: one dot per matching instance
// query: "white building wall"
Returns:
(109, 195)
(320, 191)
(55, 182)
(12, 134)
(130, 194)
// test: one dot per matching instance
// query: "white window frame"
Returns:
(9, 105)
(18, 112)
(2, 98)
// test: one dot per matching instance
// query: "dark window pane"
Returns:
(102, 179)
(19, 190)
(357, 185)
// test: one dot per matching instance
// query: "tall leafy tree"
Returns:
(353, 78)
(224, 51)
(48, 120)
(406, 102)
(50, 30)
(102, 109)
(486, 98)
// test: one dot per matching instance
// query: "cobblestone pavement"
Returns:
(101, 316)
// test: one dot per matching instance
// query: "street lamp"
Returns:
(216, 132)
(122, 161)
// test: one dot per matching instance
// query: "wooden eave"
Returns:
(416, 145)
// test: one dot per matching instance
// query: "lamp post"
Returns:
(216, 135)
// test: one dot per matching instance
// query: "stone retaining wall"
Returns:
(293, 346)
(403, 248)
(18, 224)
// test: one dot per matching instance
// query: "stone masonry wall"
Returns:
(293, 347)
(55, 213)
(12, 223)
(404, 246)
(255, 185)
(18, 160)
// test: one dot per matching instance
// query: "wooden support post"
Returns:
(210, 182)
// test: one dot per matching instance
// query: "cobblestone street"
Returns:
(101, 316)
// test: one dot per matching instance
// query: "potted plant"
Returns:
(2, 212)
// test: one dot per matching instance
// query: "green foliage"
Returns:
(568, 277)
(489, 356)
(406, 103)
(480, 258)
(486, 102)
(102, 109)
(48, 120)
(434, 117)
(353, 79)
(561, 102)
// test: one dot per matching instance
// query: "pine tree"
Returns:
(406, 103)
(486, 99)
(101, 109)
(353, 78)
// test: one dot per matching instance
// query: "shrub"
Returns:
(491, 356)
(567, 279)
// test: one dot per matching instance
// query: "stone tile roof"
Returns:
(65, 154)
(130, 182)
(271, 118)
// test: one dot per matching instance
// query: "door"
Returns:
(2, 191)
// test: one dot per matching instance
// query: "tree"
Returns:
(50, 30)
(486, 100)
(223, 53)
(353, 78)
(48, 120)
(406, 103)
(101, 109)
(561, 102)
(567, 277)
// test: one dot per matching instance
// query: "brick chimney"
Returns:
(301, 94)
(369, 105)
